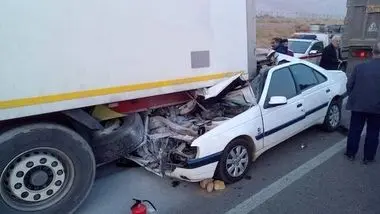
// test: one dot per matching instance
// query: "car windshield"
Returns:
(299, 47)
(257, 84)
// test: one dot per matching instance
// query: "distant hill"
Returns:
(323, 7)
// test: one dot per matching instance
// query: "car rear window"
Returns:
(299, 47)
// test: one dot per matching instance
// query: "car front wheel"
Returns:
(235, 161)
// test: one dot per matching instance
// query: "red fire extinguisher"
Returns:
(140, 207)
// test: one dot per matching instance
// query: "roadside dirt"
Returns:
(270, 27)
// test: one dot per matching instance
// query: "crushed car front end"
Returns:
(185, 141)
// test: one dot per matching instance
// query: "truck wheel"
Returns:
(235, 161)
(44, 168)
(333, 116)
(122, 140)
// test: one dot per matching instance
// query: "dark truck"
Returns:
(361, 31)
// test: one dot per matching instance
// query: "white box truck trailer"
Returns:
(77, 78)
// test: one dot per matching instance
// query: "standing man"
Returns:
(331, 56)
(363, 88)
(278, 46)
(275, 43)
(285, 42)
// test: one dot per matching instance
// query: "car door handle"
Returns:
(299, 105)
(328, 90)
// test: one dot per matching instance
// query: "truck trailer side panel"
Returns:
(64, 55)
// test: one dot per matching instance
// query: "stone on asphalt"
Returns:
(210, 187)
(204, 183)
(219, 185)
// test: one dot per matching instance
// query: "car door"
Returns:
(315, 53)
(280, 122)
(314, 91)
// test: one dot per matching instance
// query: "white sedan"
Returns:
(310, 50)
(236, 121)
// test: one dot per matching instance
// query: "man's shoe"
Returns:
(368, 161)
(350, 157)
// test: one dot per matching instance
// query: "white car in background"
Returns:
(323, 37)
(306, 49)
(234, 122)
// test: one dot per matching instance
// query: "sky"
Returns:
(326, 7)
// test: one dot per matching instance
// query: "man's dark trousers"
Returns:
(358, 120)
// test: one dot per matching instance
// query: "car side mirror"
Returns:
(313, 52)
(277, 101)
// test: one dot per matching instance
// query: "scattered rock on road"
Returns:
(210, 187)
(204, 183)
(219, 185)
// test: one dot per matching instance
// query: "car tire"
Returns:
(228, 165)
(44, 168)
(333, 116)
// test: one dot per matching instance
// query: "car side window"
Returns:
(304, 76)
(282, 84)
(320, 77)
(318, 46)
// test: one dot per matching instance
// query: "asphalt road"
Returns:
(337, 186)
(332, 186)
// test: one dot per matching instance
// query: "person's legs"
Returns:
(356, 127)
(372, 136)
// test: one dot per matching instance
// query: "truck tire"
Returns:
(121, 141)
(44, 168)
(231, 169)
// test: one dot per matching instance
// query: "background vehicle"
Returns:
(325, 38)
(317, 28)
(331, 30)
(361, 31)
(74, 74)
(310, 50)
(335, 29)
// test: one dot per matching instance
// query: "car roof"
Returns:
(309, 33)
(294, 61)
(302, 40)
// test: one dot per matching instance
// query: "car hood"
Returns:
(230, 128)
(215, 90)
(226, 89)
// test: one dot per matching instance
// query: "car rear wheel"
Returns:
(333, 116)
(235, 161)
(44, 168)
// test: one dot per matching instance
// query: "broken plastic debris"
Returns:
(187, 108)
